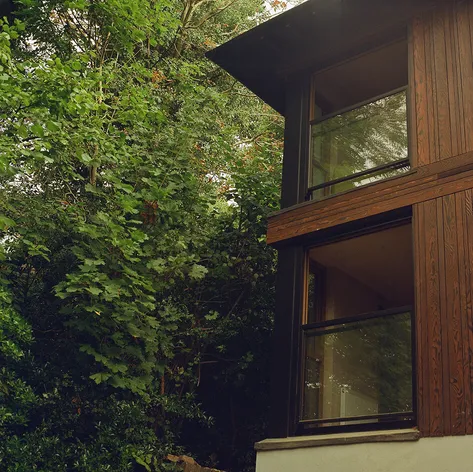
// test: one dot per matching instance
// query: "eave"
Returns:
(310, 37)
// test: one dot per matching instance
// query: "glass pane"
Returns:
(358, 140)
(359, 181)
(315, 293)
(359, 368)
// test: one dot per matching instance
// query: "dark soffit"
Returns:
(6, 8)
(311, 36)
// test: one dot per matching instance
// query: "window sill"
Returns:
(338, 439)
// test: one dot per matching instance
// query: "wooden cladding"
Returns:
(442, 81)
(425, 183)
(443, 245)
(439, 188)
(441, 127)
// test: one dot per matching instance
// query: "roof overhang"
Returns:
(6, 8)
(309, 37)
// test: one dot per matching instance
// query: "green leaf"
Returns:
(52, 126)
(22, 131)
(6, 222)
(85, 158)
(213, 315)
(100, 377)
(37, 130)
(94, 290)
(197, 272)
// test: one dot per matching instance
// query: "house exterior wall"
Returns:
(442, 81)
(439, 189)
(447, 454)
(443, 246)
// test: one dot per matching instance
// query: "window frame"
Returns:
(397, 420)
(398, 164)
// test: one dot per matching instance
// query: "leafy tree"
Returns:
(135, 179)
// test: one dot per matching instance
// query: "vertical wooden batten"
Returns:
(443, 82)
(443, 230)
(443, 227)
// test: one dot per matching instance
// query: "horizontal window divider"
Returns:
(372, 170)
(358, 105)
(361, 317)
(381, 416)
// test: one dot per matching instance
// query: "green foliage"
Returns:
(16, 396)
(135, 181)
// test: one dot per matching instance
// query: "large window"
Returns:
(357, 333)
(359, 130)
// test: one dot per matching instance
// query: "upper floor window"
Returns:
(359, 131)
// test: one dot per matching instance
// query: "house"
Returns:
(372, 365)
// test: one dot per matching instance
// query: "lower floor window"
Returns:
(357, 332)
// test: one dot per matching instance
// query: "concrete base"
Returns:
(446, 454)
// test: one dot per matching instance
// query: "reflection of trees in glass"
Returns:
(371, 358)
(366, 137)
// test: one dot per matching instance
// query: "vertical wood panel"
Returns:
(440, 81)
(466, 76)
(443, 243)
(420, 93)
(452, 78)
(411, 99)
(443, 81)
(443, 307)
(442, 52)
(469, 283)
(422, 364)
(465, 303)
(430, 90)
(435, 368)
(451, 315)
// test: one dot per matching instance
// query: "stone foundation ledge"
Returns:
(338, 439)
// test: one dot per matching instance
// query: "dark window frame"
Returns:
(398, 164)
(394, 421)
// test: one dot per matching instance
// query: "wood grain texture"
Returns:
(426, 183)
(468, 231)
(421, 328)
(465, 303)
(443, 230)
(440, 191)
(443, 226)
(443, 82)
(422, 138)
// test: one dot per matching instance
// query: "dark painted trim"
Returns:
(358, 318)
(296, 143)
(290, 276)
(286, 339)
(314, 430)
(400, 164)
(385, 416)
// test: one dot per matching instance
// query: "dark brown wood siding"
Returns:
(424, 183)
(439, 189)
(442, 85)
(443, 82)
(443, 245)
